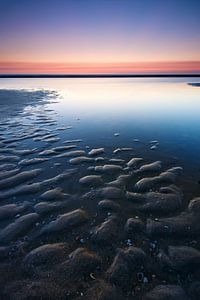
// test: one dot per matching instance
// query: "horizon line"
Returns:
(44, 75)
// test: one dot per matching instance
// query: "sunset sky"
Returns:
(99, 36)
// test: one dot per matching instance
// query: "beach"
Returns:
(99, 188)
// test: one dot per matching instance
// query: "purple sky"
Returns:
(43, 35)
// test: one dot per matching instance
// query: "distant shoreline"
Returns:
(95, 75)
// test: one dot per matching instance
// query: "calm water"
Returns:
(108, 113)
(166, 110)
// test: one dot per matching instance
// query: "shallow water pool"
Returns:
(131, 193)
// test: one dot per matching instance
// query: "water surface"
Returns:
(153, 119)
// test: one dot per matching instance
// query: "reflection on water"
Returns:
(146, 109)
(93, 167)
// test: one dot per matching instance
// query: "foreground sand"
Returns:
(83, 223)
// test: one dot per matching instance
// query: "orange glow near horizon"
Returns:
(100, 68)
(95, 37)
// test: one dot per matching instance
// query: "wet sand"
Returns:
(79, 222)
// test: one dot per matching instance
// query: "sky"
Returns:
(99, 36)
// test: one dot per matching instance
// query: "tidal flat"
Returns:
(100, 188)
